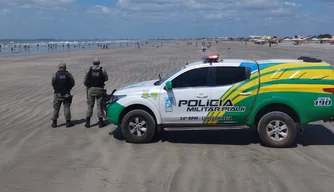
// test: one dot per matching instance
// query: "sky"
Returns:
(115, 19)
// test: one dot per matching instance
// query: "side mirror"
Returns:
(168, 85)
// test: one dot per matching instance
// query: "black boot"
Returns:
(101, 123)
(87, 122)
(69, 123)
(54, 124)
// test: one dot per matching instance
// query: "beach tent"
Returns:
(325, 39)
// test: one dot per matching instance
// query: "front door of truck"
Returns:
(235, 91)
(184, 103)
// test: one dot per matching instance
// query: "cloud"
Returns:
(152, 5)
(41, 4)
(5, 12)
(223, 10)
(148, 5)
(157, 17)
(258, 4)
(293, 4)
(324, 1)
(99, 9)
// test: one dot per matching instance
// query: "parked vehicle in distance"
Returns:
(272, 95)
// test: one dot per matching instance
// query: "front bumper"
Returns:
(113, 109)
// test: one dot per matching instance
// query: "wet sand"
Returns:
(37, 158)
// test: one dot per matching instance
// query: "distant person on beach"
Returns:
(203, 47)
(62, 82)
(94, 81)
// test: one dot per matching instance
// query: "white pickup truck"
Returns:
(272, 95)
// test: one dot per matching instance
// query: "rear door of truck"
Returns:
(235, 89)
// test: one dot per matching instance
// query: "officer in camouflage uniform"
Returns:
(94, 81)
(62, 83)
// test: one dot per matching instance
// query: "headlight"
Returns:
(116, 98)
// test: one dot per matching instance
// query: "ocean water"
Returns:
(23, 47)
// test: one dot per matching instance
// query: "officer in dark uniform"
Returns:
(62, 83)
(94, 81)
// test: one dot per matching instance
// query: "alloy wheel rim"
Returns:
(277, 130)
(138, 126)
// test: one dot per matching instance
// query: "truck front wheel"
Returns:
(138, 126)
(277, 129)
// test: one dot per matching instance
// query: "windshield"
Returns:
(167, 77)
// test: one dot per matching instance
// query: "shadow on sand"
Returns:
(106, 123)
(313, 135)
(75, 122)
(81, 121)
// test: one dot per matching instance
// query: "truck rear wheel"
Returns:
(277, 129)
(138, 126)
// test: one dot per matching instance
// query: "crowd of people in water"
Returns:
(14, 47)
(20, 47)
(53, 46)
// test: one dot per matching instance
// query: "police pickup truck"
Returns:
(270, 95)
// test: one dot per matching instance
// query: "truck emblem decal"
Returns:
(323, 101)
(211, 105)
(154, 95)
(169, 104)
(145, 95)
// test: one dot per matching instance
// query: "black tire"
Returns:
(150, 126)
(291, 129)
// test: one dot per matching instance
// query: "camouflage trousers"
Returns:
(66, 100)
(92, 95)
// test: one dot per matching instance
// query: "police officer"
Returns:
(94, 81)
(62, 83)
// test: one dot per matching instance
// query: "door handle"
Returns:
(201, 96)
(245, 93)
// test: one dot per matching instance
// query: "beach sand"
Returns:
(37, 158)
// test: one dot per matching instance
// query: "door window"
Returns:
(231, 75)
(192, 78)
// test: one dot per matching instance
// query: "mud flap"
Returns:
(302, 129)
(331, 119)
